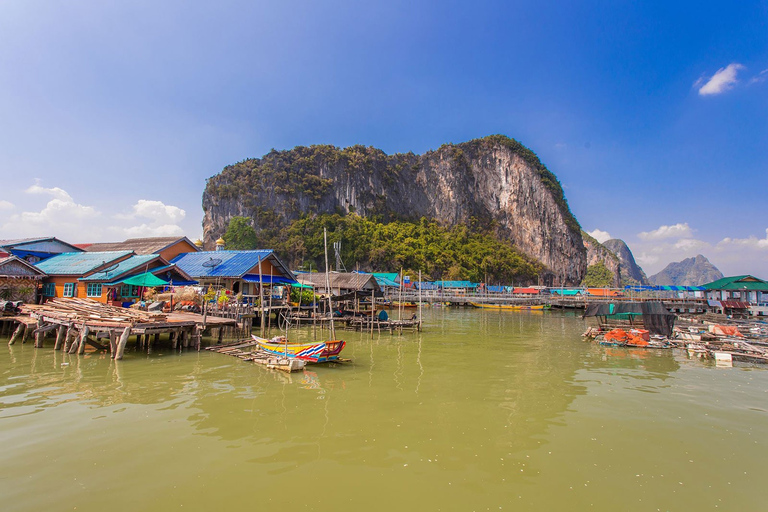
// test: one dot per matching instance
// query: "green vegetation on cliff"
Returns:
(458, 252)
(598, 276)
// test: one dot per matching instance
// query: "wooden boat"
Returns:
(318, 352)
(513, 307)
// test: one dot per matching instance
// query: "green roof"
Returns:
(738, 283)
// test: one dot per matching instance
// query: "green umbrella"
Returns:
(146, 279)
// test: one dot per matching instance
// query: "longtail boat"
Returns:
(513, 307)
(317, 352)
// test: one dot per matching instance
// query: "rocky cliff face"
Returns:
(689, 272)
(598, 253)
(494, 181)
(631, 273)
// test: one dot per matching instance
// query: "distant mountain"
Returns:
(689, 272)
(631, 273)
(598, 254)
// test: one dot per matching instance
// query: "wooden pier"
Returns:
(77, 323)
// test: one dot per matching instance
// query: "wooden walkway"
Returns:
(80, 322)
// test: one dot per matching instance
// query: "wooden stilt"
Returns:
(221, 336)
(70, 337)
(25, 334)
(174, 339)
(156, 339)
(39, 334)
(83, 336)
(112, 342)
(60, 334)
(16, 334)
(122, 342)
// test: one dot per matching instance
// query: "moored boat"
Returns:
(317, 352)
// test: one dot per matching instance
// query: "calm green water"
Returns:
(483, 411)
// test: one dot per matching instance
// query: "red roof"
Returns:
(734, 304)
(531, 291)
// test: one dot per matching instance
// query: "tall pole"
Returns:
(373, 308)
(328, 281)
(419, 299)
(261, 299)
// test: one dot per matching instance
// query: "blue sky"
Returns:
(654, 115)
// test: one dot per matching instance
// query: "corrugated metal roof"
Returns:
(151, 245)
(738, 283)
(456, 284)
(345, 280)
(78, 263)
(18, 261)
(231, 263)
(124, 267)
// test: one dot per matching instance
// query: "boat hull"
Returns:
(319, 352)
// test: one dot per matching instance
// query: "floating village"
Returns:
(167, 290)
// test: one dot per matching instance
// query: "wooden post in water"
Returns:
(60, 333)
(16, 334)
(112, 343)
(24, 334)
(70, 336)
(39, 334)
(121, 344)
(83, 337)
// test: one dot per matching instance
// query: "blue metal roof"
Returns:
(233, 263)
(254, 278)
(456, 284)
(78, 263)
(132, 263)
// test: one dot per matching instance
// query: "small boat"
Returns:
(513, 307)
(317, 352)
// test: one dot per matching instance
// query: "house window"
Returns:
(69, 289)
(128, 290)
(49, 290)
(94, 290)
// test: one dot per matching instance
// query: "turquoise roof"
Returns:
(125, 266)
(78, 263)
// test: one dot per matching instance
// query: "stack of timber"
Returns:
(236, 349)
(81, 322)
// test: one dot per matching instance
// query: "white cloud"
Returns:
(690, 244)
(63, 217)
(722, 81)
(157, 211)
(55, 192)
(646, 259)
(680, 230)
(761, 77)
(599, 235)
(751, 242)
(146, 230)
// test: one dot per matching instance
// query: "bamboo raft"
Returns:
(258, 356)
